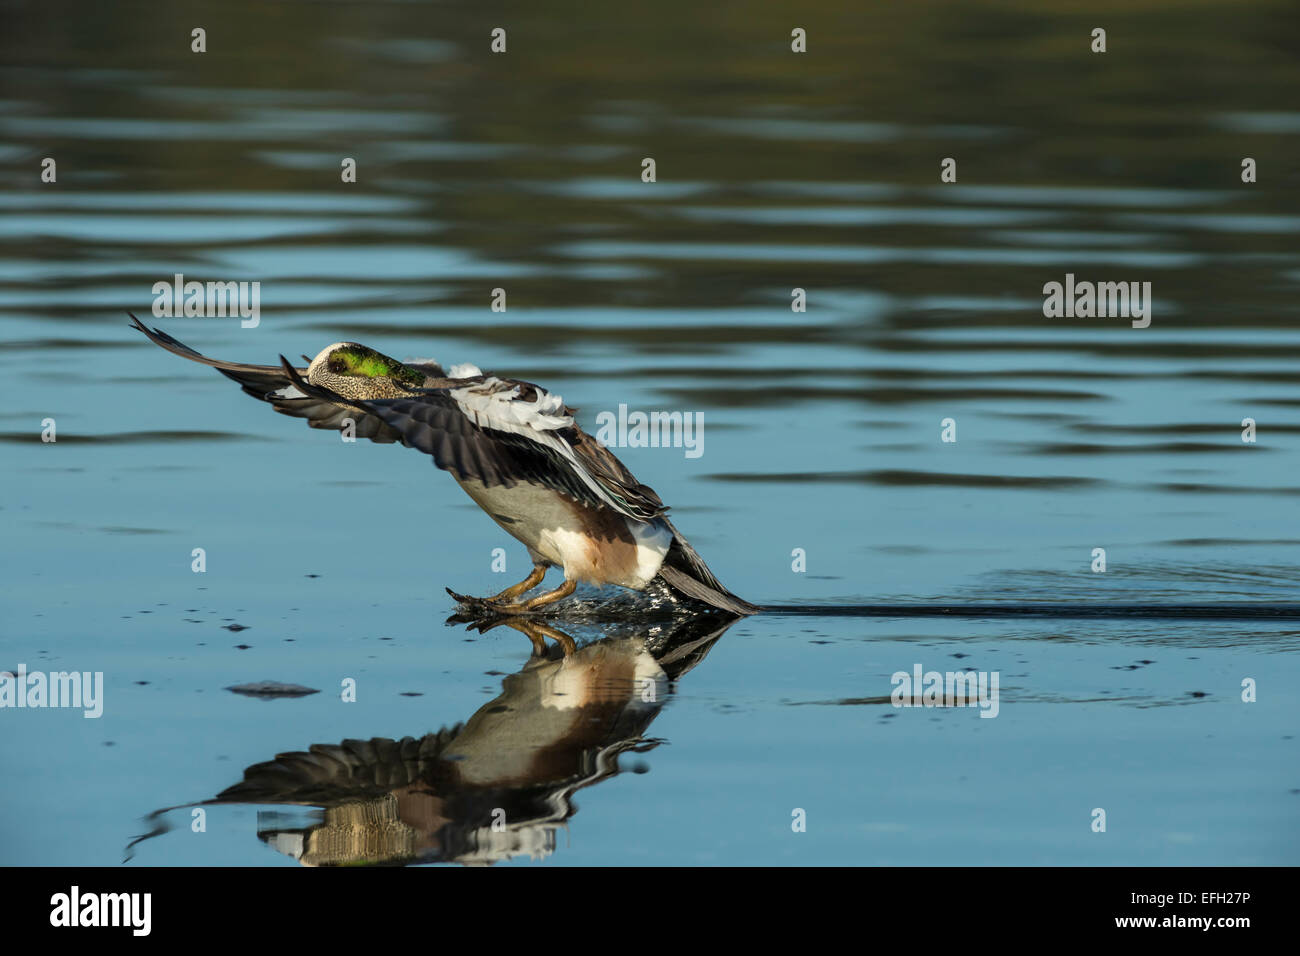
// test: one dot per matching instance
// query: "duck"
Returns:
(498, 784)
(514, 448)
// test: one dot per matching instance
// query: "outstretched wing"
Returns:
(330, 774)
(268, 383)
(501, 432)
(632, 497)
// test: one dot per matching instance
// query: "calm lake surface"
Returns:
(326, 562)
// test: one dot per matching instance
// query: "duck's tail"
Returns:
(684, 571)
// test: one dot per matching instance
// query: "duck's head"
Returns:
(357, 371)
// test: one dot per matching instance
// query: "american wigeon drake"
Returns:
(496, 785)
(515, 449)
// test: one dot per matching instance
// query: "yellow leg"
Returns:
(555, 634)
(527, 584)
(532, 604)
(537, 632)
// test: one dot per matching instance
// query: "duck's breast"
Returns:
(595, 545)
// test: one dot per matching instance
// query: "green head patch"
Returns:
(361, 362)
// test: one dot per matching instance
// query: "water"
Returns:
(822, 429)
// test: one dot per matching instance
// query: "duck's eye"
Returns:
(336, 366)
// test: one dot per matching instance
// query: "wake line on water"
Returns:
(1066, 611)
(657, 601)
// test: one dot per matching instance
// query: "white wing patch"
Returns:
(496, 405)
(289, 391)
(464, 370)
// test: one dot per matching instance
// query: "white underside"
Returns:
(550, 527)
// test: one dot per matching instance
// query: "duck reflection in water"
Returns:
(499, 785)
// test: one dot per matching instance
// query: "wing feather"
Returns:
(498, 445)
(269, 383)
(481, 428)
